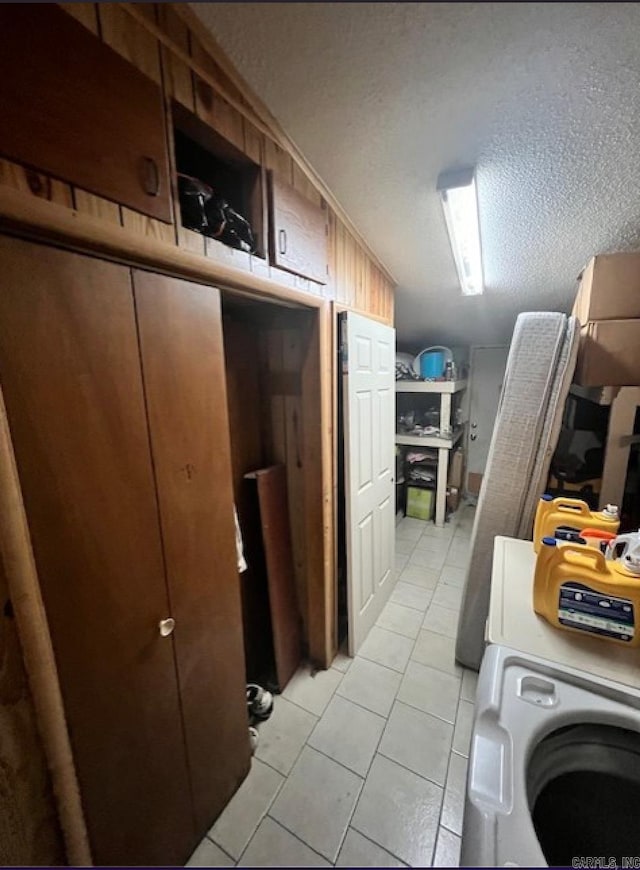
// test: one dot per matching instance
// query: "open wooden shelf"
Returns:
(430, 386)
(429, 440)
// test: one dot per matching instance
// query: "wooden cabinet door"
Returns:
(72, 107)
(298, 232)
(183, 364)
(70, 370)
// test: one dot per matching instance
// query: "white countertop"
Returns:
(513, 623)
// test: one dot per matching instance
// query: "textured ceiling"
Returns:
(544, 98)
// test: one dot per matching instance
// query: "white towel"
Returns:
(242, 564)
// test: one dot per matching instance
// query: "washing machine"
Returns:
(554, 763)
(554, 766)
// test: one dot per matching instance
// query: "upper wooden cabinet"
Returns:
(72, 107)
(298, 232)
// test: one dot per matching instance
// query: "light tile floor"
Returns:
(364, 765)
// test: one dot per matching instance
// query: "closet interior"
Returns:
(269, 358)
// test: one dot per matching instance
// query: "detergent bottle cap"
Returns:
(630, 556)
(550, 542)
(611, 510)
(546, 497)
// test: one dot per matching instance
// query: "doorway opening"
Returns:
(273, 398)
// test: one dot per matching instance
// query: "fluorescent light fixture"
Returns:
(460, 203)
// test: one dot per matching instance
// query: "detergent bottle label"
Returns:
(584, 608)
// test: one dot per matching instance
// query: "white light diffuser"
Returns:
(460, 203)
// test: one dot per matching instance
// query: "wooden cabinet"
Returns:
(298, 238)
(115, 397)
(183, 364)
(72, 107)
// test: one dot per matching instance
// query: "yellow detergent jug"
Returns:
(553, 513)
(576, 588)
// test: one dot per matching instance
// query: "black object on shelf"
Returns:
(220, 189)
(201, 210)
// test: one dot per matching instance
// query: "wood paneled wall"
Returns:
(163, 42)
(157, 40)
(275, 418)
(282, 352)
(29, 831)
(168, 44)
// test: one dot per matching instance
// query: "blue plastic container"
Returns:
(432, 364)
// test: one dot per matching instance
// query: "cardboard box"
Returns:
(609, 354)
(456, 468)
(609, 289)
(453, 499)
(420, 503)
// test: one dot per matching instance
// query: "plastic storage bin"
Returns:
(420, 503)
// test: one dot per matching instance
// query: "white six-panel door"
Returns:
(369, 415)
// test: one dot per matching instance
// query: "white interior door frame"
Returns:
(368, 370)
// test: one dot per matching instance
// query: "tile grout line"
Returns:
(295, 836)
(377, 845)
(284, 776)
(318, 718)
(425, 779)
(344, 767)
(306, 710)
(361, 706)
(305, 745)
(335, 761)
(217, 845)
(408, 606)
(399, 633)
(318, 715)
(444, 787)
(269, 805)
(375, 752)
(451, 752)
(437, 571)
(363, 779)
(416, 585)
(374, 662)
(285, 779)
(351, 814)
(427, 713)
(420, 775)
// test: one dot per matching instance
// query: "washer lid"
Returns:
(513, 623)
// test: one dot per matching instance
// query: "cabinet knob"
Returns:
(473, 436)
(282, 241)
(166, 626)
(150, 176)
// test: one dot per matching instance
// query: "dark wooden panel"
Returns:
(74, 108)
(285, 619)
(298, 232)
(72, 383)
(284, 383)
(244, 401)
(183, 365)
